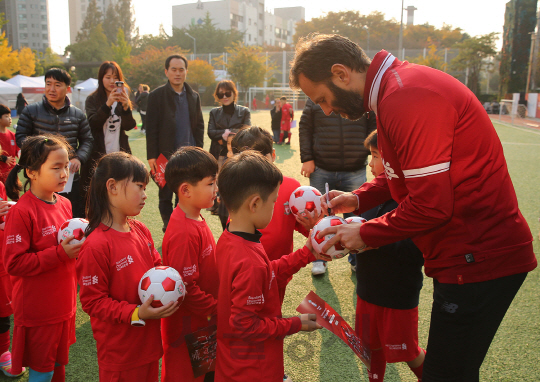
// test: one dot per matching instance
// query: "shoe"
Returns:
(288, 143)
(5, 365)
(319, 268)
(353, 268)
(286, 378)
(279, 143)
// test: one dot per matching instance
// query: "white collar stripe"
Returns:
(374, 91)
(426, 171)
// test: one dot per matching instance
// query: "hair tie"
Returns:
(19, 167)
(46, 140)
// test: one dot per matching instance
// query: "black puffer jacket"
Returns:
(69, 121)
(334, 143)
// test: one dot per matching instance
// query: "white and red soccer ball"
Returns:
(355, 219)
(75, 227)
(305, 199)
(165, 283)
(337, 251)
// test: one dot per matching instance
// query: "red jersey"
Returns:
(10, 149)
(43, 276)
(250, 327)
(445, 165)
(287, 114)
(190, 248)
(109, 268)
(3, 197)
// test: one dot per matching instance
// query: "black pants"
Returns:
(143, 122)
(464, 320)
(165, 195)
(77, 202)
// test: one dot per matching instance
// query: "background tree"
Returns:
(126, 21)
(121, 50)
(92, 19)
(159, 41)
(111, 23)
(200, 73)
(9, 60)
(47, 60)
(472, 56)
(432, 59)
(92, 52)
(27, 62)
(148, 67)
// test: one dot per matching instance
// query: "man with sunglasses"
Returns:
(173, 119)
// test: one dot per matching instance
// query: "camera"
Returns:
(119, 86)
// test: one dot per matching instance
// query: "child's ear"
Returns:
(112, 186)
(254, 202)
(185, 190)
(31, 174)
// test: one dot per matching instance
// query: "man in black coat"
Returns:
(173, 119)
(332, 151)
(55, 115)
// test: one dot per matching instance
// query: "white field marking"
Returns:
(520, 144)
(518, 128)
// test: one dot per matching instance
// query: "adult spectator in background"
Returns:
(55, 115)
(223, 124)
(444, 165)
(275, 113)
(142, 103)
(173, 119)
(21, 103)
(109, 114)
(332, 151)
(287, 115)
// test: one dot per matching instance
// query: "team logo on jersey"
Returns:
(287, 208)
(257, 300)
(12, 142)
(12, 239)
(207, 251)
(89, 280)
(389, 171)
(122, 263)
(48, 231)
(190, 271)
(271, 279)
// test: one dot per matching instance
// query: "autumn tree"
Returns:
(27, 62)
(9, 58)
(432, 59)
(121, 50)
(91, 52)
(47, 60)
(126, 21)
(200, 73)
(148, 67)
(472, 56)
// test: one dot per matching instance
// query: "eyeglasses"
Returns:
(226, 94)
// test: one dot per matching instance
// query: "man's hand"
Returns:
(347, 234)
(11, 161)
(147, 312)
(152, 164)
(340, 202)
(307, 168)
(74, 165)
(307, 220)
(72, 250)
(318, 256)
(309, 322)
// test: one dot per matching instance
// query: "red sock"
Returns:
(59, 374)
(378, 366)
(418, 370)
(281, 137)
(4, 342)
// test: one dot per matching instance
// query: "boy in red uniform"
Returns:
(287, 115)
(389, 280)
(277, 237)
(9, 149)
(189, 247)
(250, 327)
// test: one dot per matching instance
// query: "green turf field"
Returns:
(319, 356)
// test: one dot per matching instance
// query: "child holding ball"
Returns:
(42, 271)
(250, 327)
(116, 254)
(189, 247)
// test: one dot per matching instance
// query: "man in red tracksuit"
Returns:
(444, 165)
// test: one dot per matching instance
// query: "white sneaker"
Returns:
(353, 268)
(319, 268)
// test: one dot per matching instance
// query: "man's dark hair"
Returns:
(179, 56)
(317, 53)
(246, 174)
(189, 164)
(253, 138)
(371, 141)
(283, 98)
(59, 75)
(4, 110)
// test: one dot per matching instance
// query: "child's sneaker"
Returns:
(5, 365)
(286, 378)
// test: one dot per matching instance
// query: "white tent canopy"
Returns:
(7, 88)
(87, 87)
(27, 82)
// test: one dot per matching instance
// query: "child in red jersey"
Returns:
(116, 254)
(9, 151)
(277, 237)
(42, 271)
(189, 247)
(250, 327)
(287, 115)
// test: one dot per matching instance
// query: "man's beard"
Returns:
(347, 103)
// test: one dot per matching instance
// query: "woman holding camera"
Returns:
(109, 114)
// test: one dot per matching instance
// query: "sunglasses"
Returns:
(226, 94)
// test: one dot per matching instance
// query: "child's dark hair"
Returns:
(119, 166)
(253, 138)
(189, 164)
(371, 140)
(34, 153)
(4, 110)
(246, 174)
(283, 98)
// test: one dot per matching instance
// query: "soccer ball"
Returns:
(305, 199)
(355, 219)
(337, 251)
(75, 227)
(165, 283)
